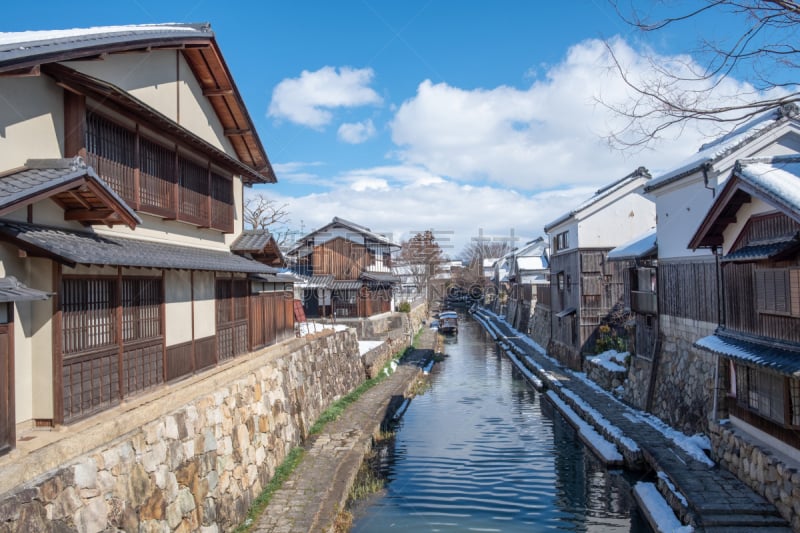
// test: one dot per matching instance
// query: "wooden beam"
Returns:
(88, 215)
(217, 92)
(25, 72)
(236, 132)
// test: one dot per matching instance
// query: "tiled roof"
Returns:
(78, 247)
(762, 252)
(782, 359)
(12, 290)
(43, 175)
(27, 44)
(346, 285)
(716, 150)
(380, 277)
(319, 282)
(645, 245)
(253, 240)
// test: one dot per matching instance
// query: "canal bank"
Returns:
(317, 489)
(700, 494)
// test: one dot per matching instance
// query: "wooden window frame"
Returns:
(777, 291)
(561, 241)
(776, 404)
(197, 192)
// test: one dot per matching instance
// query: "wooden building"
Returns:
(123, 161)
(753, 227)
(348, 269)
(585, 288)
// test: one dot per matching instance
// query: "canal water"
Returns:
(481, 450)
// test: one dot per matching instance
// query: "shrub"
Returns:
(404, 306)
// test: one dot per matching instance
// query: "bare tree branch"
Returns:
(261, 212)
(762, 54)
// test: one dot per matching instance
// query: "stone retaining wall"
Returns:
(684, 389)
(766, 473)
(195, 465)
(540, 325)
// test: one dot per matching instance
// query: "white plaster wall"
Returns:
(752, 208)
(205, 317)
(571, 227)
(617, 222)
(681, 206)
(178, 295)
(163, 80)
(31, 120)
(39, 326)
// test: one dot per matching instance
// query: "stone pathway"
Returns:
(715, 499)
(317, 489)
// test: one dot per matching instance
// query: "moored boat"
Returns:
(448, 322)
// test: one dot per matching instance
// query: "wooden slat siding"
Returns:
(288, 314)
(688, 290)
(142, 366)
(543, 295)
(180, 361)
(90, 384)
(765, 227)
(741, 294)
(344, 259)
(205, 353)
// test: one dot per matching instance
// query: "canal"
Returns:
(481, 450)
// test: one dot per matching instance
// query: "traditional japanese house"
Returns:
(348, 269)
(753, 226)
(681, 383)
(124, 156)
(528, 269)
(585, 288)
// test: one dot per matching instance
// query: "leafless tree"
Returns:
(422, 256)
(752, 41)
(261, 212)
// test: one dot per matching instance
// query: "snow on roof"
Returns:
(531, 263)
(600, 194)
(641, 246)
(24, 39)
(717, 149)
(778, 178)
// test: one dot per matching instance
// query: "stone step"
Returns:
(744, 520)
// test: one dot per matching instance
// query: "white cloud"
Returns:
(356, 133)
(309, 99)
(402, 205)
(548, 135)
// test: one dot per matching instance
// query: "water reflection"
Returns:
(483, 451)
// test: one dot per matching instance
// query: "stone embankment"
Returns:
(318, 489)
(702, 495)
(191, 456)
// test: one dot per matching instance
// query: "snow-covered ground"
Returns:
(365, 346)
(316, 327)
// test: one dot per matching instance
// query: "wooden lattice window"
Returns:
(193, 193)
(88, 308)
(762, 392)
(111, 151)
(156, 179)
(794, 394)
(141, 308)
(221, 202)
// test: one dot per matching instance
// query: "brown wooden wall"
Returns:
(688, 290)
(271, 318)
(740, 305)
(344, 259)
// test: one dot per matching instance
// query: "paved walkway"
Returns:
(715, 499)
(317, 489)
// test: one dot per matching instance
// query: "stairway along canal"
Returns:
(481, 450)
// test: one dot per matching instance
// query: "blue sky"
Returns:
(462, 117)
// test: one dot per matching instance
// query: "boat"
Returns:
(448, 322)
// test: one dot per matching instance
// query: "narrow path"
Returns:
(317, 489)
(704, 496)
